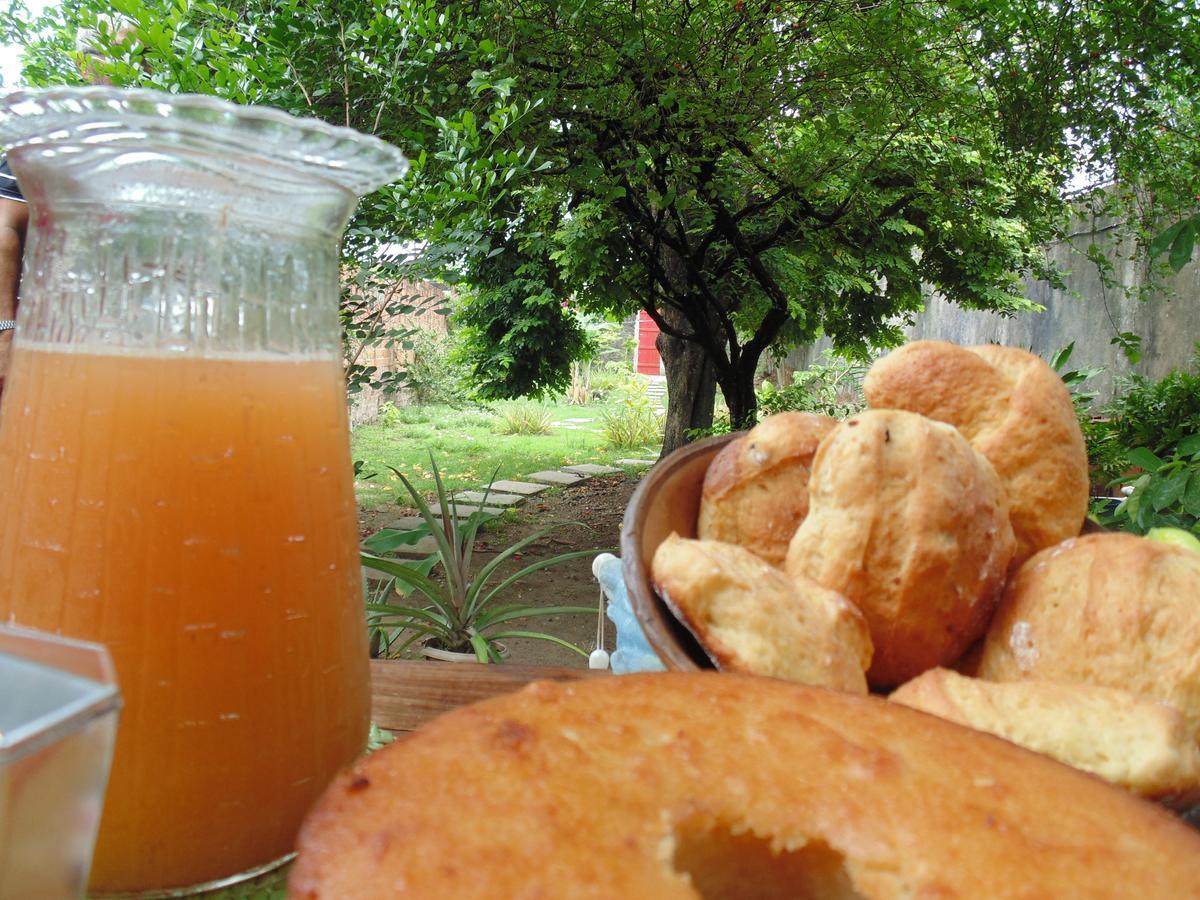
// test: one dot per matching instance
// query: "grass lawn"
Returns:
(469, 448)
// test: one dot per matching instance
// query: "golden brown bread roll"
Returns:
(756, 489)
(910, 524)
(750, 617)
(1108, 609)
(716, 785)
(1015, 410)
(1139, 744)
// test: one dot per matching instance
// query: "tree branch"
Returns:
(734, 234)
(345, 71)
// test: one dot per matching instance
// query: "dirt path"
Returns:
(586, 516)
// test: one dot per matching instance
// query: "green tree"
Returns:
(377, 67)
(752, 174)
(1112, 87)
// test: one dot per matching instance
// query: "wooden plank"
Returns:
(407, 693)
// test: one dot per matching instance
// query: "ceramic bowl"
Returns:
(666, 501)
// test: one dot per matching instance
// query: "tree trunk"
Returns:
(738, 391)
(691, 387)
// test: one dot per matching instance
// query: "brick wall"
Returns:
(428, 297)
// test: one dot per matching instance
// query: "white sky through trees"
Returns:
(10, 56)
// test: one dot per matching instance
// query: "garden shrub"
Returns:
(830, 386)
(604, 367)
(433, 375)
(1144, 413)
(1156, 414)
(1149, 440)
(632, 420)
(612, 379)
(1106, 457)
(1166, 492)
(475, 417)
(390, 415)
(407, 415)
(523, 417)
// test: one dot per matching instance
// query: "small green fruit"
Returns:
(1176, 536)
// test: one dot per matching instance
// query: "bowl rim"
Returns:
(667, 636)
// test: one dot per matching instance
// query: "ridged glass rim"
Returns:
(103, 115)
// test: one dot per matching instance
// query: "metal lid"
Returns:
(49, 686)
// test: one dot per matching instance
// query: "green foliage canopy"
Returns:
(752, 174)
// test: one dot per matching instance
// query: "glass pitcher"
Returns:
(175, 478)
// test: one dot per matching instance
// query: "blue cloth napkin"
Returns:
(633, 653)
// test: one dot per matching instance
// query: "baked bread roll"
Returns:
(756, 489)
(910, 524)
(1109, 609)
(1138, 744)
(1015, 410)
(750, 617)
(686, 785)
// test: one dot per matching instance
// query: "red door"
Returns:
(648, 360)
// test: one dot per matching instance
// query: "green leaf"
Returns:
(1165, 491)
(410, 576)
(442, 533)
(1130, 344)
(1189, 446)
(413, 638)
(474, 520)
(409, 616)
(388, 539)
(475, 599)
(1143, 458)
(1061, 357)
(1191, 496)
(539, 636)
(1167, 237)
(535, 567)
(493, 617)
(1181, 248)
(481, 647)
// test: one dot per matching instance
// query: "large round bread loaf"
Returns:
(910, 524)
(1109, 609)
(715, 785)
(1015, 410)
(755, 492)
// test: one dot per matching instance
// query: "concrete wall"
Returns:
(1168, 325)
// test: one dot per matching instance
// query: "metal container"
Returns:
(58, 720)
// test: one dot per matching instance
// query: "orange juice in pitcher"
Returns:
(175, 479)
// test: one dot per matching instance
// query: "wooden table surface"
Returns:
(406, 693)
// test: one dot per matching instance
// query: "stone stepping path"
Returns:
(524, 488)
(411, 523)
(556, 476)
(421, 549)
(496, 499)
(505, 495)
(465, 510)
(406, 523)
(591, 469)
(637, 463)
